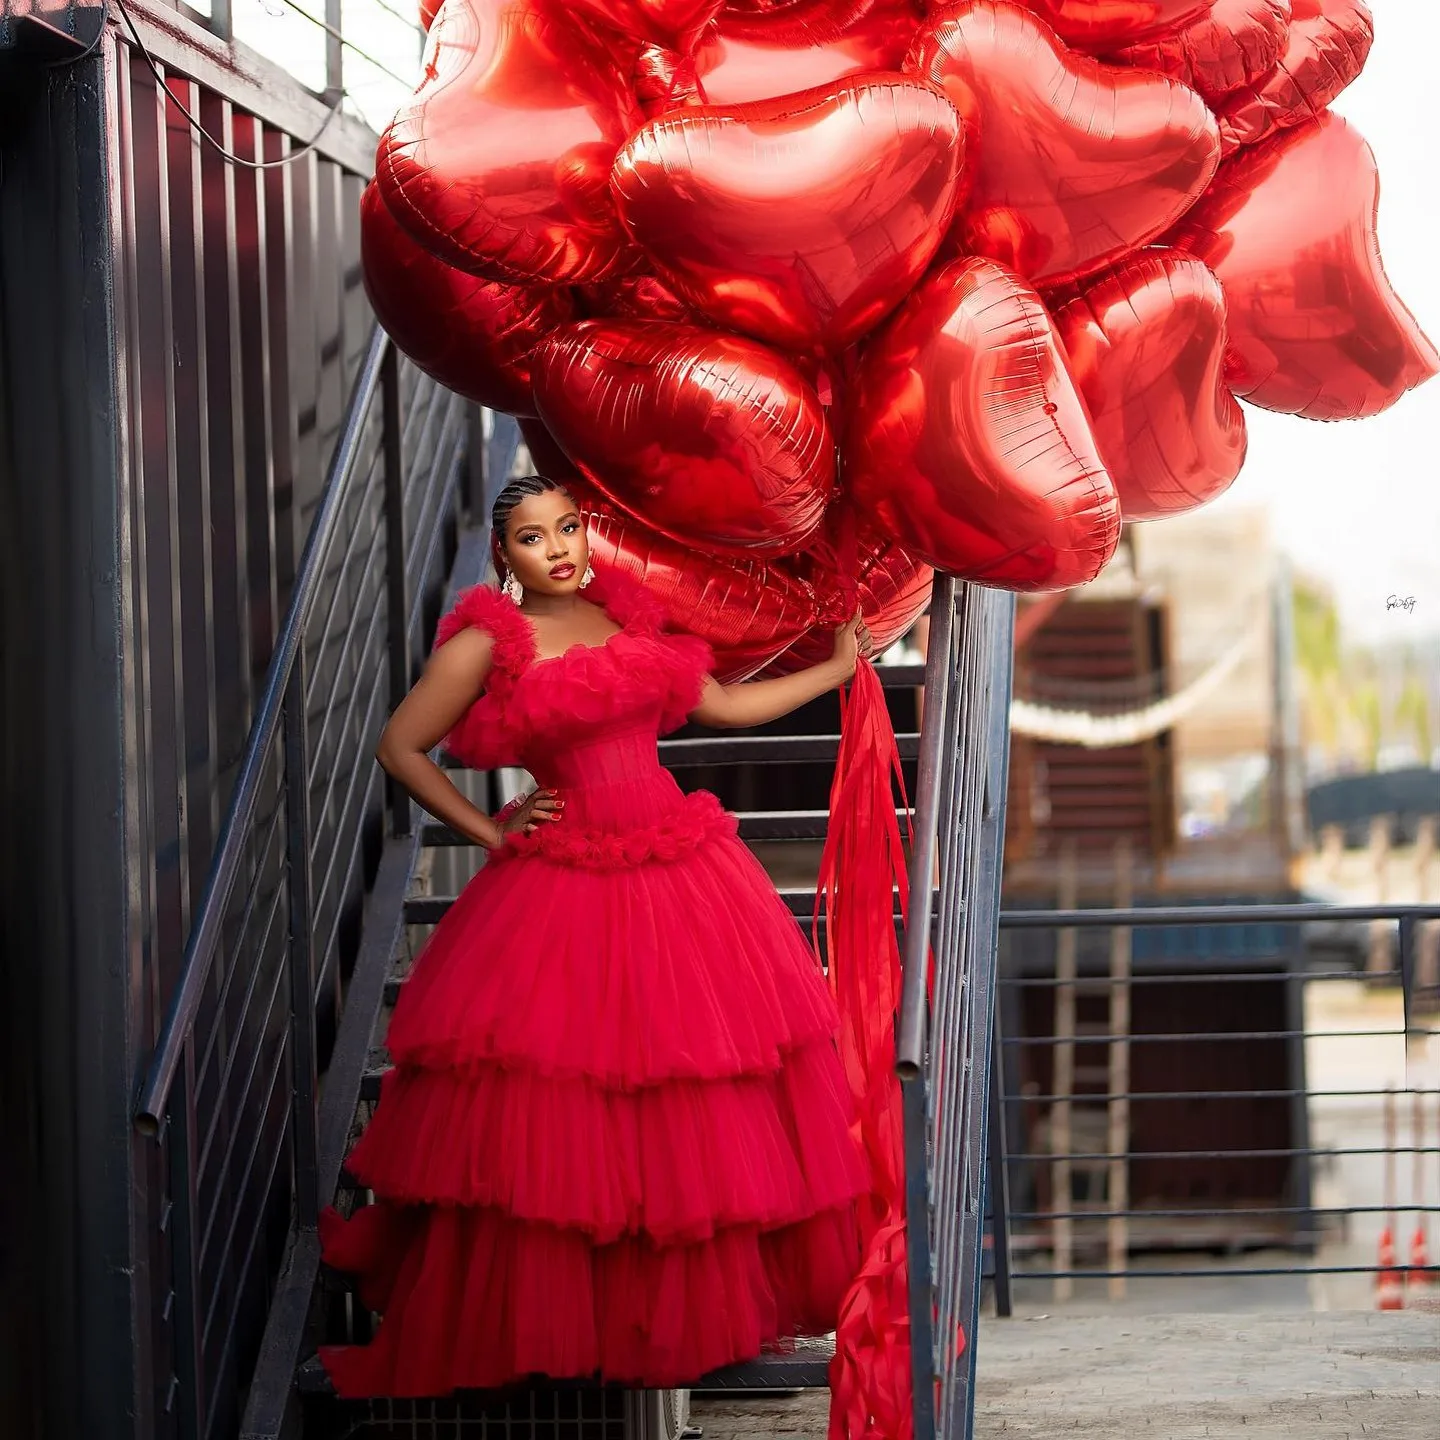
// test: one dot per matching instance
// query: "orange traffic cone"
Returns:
(1389, 1289)
(1418, 1274)
(1389, 1292)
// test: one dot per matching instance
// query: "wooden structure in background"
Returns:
(1098, 828)
(1083, 651)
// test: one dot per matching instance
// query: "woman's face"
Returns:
(545, 544)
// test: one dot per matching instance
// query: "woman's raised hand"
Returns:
(852, 643)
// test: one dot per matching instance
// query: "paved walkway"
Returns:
(1336, 1375)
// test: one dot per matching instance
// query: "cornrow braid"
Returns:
(524, 487)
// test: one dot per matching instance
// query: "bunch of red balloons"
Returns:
(807, 297)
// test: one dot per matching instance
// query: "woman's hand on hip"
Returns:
(540, 807)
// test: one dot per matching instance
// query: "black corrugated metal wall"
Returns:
(177, 337)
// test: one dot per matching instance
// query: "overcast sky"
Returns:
(1359, 502)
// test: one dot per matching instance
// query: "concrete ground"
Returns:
(1337, 1375)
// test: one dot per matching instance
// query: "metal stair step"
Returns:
(765, 749)
(807, 1368)
(754, 825)
(799, 900)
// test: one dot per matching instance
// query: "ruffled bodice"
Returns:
(586, 724)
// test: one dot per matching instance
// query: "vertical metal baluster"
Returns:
(180, 1148)
(472, 482)
(301, 951)
(334, 50)
(999, 1173)
(397, 598)
(221, 21)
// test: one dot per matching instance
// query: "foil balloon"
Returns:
(633, 297)
(892, 590)
(804, 220)
(1099, 25)
(474, 336)
(1236, 43)
(738, 62)
(1074, 162)
(663, 79)
(676, 24)
(793, 21)
(748, 609)
(1289, 229)
(1145, 343)
(1327, 47)
(501, 162)
(968, 444)
(710, 439)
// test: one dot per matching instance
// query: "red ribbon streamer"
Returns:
(862, 865)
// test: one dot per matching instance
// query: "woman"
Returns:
(616, 1138)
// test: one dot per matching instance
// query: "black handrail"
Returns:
(208, 929)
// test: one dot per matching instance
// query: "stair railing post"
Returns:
(397, 595)
(304, 1085)
(187, 1397)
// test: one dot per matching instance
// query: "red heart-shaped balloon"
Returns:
(968, 444)
(1074, 162)
(748, 609)
(737, 63)
(1289, 229)
(711, 439)
(1145, 343)
(501, 163)
(1236, 43)
(1327, 48)
(1101, 25)
(634, 297)
(803, 220)
(473, 336)
(891, 589)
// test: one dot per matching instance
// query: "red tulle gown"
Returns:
(616, 1140)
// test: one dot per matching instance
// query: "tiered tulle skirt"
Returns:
(616, 1140)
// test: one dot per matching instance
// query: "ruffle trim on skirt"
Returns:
(688, 969)
(699, 819)
(475, 1300)
(677, 1162)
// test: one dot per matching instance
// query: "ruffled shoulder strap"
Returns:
(628, 603)
(486, 608)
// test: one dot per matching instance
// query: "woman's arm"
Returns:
(754, 702)
(451, 683)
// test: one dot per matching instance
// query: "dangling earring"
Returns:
(588, 576)
(512, 587)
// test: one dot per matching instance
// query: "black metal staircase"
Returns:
(287, 996)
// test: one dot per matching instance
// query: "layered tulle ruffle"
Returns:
(688, 969)
(476, 1300)
(617, 1137)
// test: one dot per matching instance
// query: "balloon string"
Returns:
(862, 869)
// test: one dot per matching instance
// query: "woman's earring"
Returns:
(512, 587)
(588, 576)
